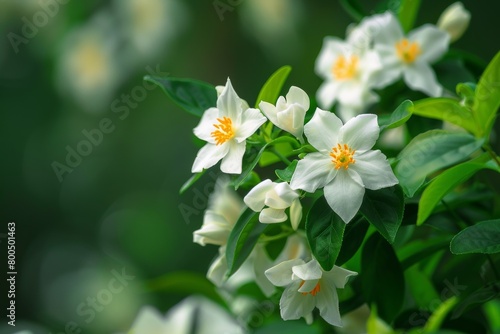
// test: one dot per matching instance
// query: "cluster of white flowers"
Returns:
(375, 54)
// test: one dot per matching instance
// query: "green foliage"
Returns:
(382, 277)
(408, 10)
(483, 237)
(286, 174)
(272, 88)
(400, 116)
(325, 230)
(384, 208)
(242, 239)
(428, 153)
(193, 96)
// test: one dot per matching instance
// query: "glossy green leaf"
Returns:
(242, 239)
(249, 163)
(185, 283)
(437, 318)
(487, 99)
(408, 11)
(269, 158)
(447, 181)
(421, 287)
(428, 153)
(286, 174)
(272, 88)
(467, 92)
(418, 250)
(375, 325)
(325, 231)
(382, 277)
(354, 9)
(192, 180)
(384, 208)
(483, 237)
(354, 235)
(398, 117)
(193, 96)
(446, 109)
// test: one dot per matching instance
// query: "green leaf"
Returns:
(467, 91)
(418, 250)
(248, 167)
(478, 297)
(285, 327)
(269, 158)
(483, 237)
(324, 230)
(382, 277)
(354, 9)
(272, 88)
(400, 116)
(242, 239)
(407, 14)
(428, 153)
(191, 95)
(286, 174)
(192, 180)
(354, 235)
(421, 287)
(487, 100)
(446, 109)
(447, 181)
(384, 208)
(186, 283)
(437, 318)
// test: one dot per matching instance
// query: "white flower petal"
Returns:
(322, 130)
(270, 111)
(292, 120)
(332, 47)
(327, 301)
(285, 192)
(339, 276)
(390, 32)
(206, 125)
(308, 271)
(295, 214)
(294, 305)
(251, 120)
(208, 156)
(433, 42)
(308, 285)
(273, 200)
(374, 170)
(255, 197)
(271, 216)
(232, 162)
(296, 247)
(420, 76)
(344, 195)
(327, 93)
(149, 320)
(297, 95)
(360, 132)
(215, 230)
(217, 271)
(454, 20)
(313, 172)
(262, 262)
(229, 103)
(281, 274)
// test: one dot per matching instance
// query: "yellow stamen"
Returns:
(345, 68)
(342, 156)
(313, 292)
(407, 51)
(223, 131)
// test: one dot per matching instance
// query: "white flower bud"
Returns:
(454, 20)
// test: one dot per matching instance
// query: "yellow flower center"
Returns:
(342, 156)
(313, 292)
(407, 51)
(345, 68)
(223, 130)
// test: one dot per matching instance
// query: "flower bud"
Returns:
(454, 20)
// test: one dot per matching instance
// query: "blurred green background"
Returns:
(71, 69)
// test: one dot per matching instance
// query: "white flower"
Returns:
(224, 209)
(276, 197)
(309, 286)
(225, 130)
(181, 319)
(289, 112)
(344, 165)
(454, 20)
(348, 69)
(410, 56)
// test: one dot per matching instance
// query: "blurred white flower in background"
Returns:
(88, 68)
(194, 314)
(273, 24)
(454, 20)
(149, 25)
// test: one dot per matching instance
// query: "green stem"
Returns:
(285, 234)
(281, 156)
